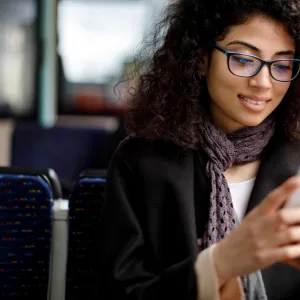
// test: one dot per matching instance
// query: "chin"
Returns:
(251, 121)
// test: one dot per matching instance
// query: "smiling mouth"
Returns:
(255, 102)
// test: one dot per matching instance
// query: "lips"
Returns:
(254, 99)
(253, 103)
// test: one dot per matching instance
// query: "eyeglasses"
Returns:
(247, 65)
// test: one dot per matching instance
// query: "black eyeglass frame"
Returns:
(263, 62)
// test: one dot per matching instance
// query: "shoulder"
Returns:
(151, 155)
(143, 146)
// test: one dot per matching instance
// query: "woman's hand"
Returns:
(267, 235)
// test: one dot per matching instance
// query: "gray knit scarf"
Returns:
(243, 146)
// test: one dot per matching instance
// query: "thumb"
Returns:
(278, 196)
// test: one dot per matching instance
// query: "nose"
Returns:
(262, 80)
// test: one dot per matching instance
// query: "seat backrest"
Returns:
(80, 148)
(26, 201)
(85, 207)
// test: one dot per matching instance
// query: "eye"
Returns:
(241, 59)
(282, 68)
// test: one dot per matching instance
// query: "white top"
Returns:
(240, 194)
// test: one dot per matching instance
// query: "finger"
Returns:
(280, 254)
(288, 236)
(290, 216)
(278, 196)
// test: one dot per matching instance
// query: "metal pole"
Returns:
(48, 82)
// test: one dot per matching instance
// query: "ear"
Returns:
(203, 65)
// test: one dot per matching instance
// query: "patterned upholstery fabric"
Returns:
(85, 208)
(25, 236)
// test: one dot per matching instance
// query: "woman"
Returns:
(195, 196)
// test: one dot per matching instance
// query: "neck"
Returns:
(222, 121)
(242, 172)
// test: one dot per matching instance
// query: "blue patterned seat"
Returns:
(85, 208)
(26, 200)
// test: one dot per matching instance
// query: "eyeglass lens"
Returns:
(243, 65)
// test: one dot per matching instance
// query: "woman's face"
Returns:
(260, 36)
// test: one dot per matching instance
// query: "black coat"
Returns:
(157, 204)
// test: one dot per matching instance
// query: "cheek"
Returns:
(221, 83)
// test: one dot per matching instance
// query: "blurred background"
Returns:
(59, 64)
(60, 61)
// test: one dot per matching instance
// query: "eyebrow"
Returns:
(245, 44)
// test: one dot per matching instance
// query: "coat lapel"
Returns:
(202, 190)
(280, 161)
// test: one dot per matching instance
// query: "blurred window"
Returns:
(18, 24)
(97, 43)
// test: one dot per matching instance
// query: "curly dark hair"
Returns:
(169, 95)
